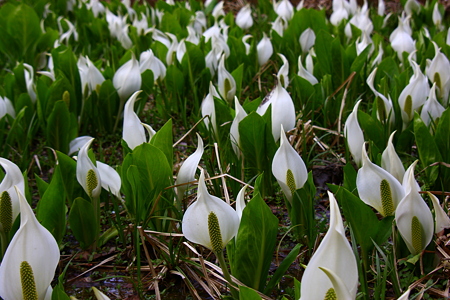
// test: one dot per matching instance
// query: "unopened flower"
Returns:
(307, 39)
(442, 221)
(264, 50)
(127, 78)
(283, 73)
(244, 17)
(284, 9)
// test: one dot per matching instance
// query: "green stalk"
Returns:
(226, 274)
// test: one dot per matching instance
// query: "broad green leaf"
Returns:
(108, 105)
(24, 26)
(145, 174)
(51, 210)
(255, 243)
(163, 140)
(373, 129)
(82, 222)
(323, 50)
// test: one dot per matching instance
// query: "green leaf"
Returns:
(51, 210)
(108, 105)
(24, 26)
(58, 127)
(246, 293)
(428, 150)
(255, 244)
(64, 60)
(145, 173)
(82, 222)
(323, 51)
(282, 269)
(237, 74)
(252, 135)
(374, 129)
(163, 140)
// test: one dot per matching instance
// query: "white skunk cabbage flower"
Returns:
(133, 133)
(432, 110)
(227, 84)
(91, 77)
(28, 72)
(284, 9)
(412, 6)
(354, 135)
(332, 270)
(244, 17)
(148, 61)
(413, 217)
(437, 17)
(246, 44)
(283, 72)
(279, 25)
(442, 221)
(87, 173)
(307, 39)
(127, 78)
(6, 107)
(264, 50)
(208, 108)
(30, 260)
(9, 197)
(76, 144)
(377, 187)
(413, 95)
(218, 10)
(304, 73)
(288, 168)
(385, 110)
(110, 179)
(391, 162)
(209, 221)
(187, 170)
(381, 7)
(401, 40)
(437, 72)
(283, 110)
(340, 12)
(240, 114)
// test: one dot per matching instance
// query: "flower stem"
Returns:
(226, 274)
